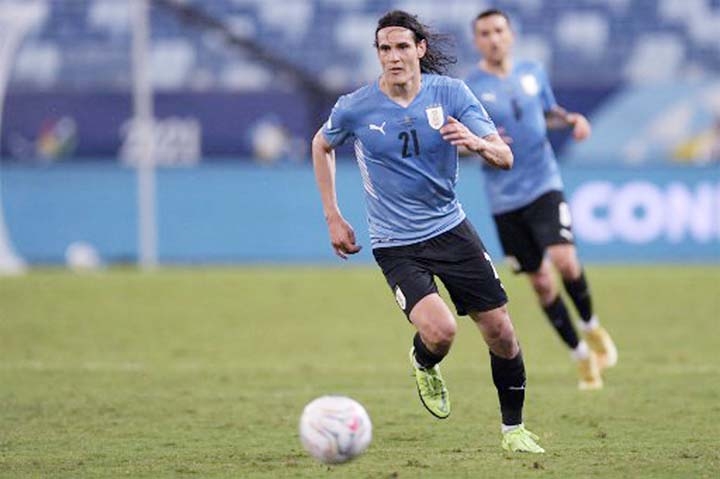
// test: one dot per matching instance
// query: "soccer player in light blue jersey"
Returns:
(407, 127)
(528, 206)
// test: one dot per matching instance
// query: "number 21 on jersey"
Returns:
(405, 136)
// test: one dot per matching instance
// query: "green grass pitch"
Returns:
(203, 373)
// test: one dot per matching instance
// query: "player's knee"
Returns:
(544, 286)
(435, 323)
(566, 262)
(497, 326)
(498, 331)
(568, 268)
(503, 342)
(443, 334)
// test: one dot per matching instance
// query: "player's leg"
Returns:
(508, 372)
(436, 329)
(475, 288)
(520, 244)
(564, 258)
(545, 286)
(416, 294)
(548, 217)
(552, 225)
(506, 362)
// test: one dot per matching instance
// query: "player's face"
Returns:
(399, 54)
(493, 38)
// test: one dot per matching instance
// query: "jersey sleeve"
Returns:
(336, 129)
(547, 97)
(471, 113)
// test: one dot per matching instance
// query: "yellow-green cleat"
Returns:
(521, 440)
(431, 388)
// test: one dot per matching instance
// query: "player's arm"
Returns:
(559, 118)
(342, 236)
(491, 147)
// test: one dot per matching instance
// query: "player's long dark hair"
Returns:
(436, 59)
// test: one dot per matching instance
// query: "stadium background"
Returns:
(240, 87)
(202, 371)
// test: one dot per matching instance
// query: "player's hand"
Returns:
(458, 134)
(581, 126)
(342, 237)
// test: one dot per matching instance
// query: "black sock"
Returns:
(559, 317)
(509, 378)
(579, 292)
(423, 355)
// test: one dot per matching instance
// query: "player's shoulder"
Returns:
(477, 74)
(358, 97)
(529, 66)
(442, 81)
(478, 80)
(447, 87)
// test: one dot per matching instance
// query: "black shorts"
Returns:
(526, 233)
(457, 257)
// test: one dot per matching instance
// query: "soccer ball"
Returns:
(335, 429)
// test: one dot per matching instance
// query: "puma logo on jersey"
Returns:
(380, 128)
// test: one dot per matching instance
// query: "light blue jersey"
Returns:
(408, 171)
(518, 104)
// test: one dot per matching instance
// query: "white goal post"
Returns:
(16, 19)
(144, 120)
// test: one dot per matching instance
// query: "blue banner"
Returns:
(50, 128)
(240, 214)
(269, 126)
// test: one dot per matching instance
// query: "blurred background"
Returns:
(179, 133)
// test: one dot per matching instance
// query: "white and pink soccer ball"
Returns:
(335, 429)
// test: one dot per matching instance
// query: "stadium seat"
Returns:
(571, 39)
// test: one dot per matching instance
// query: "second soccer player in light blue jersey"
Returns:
(406, 128)
(527, 202)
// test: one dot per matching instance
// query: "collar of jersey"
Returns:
(423, 83)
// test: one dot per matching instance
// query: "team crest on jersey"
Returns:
(435, 116)
(530, 84)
